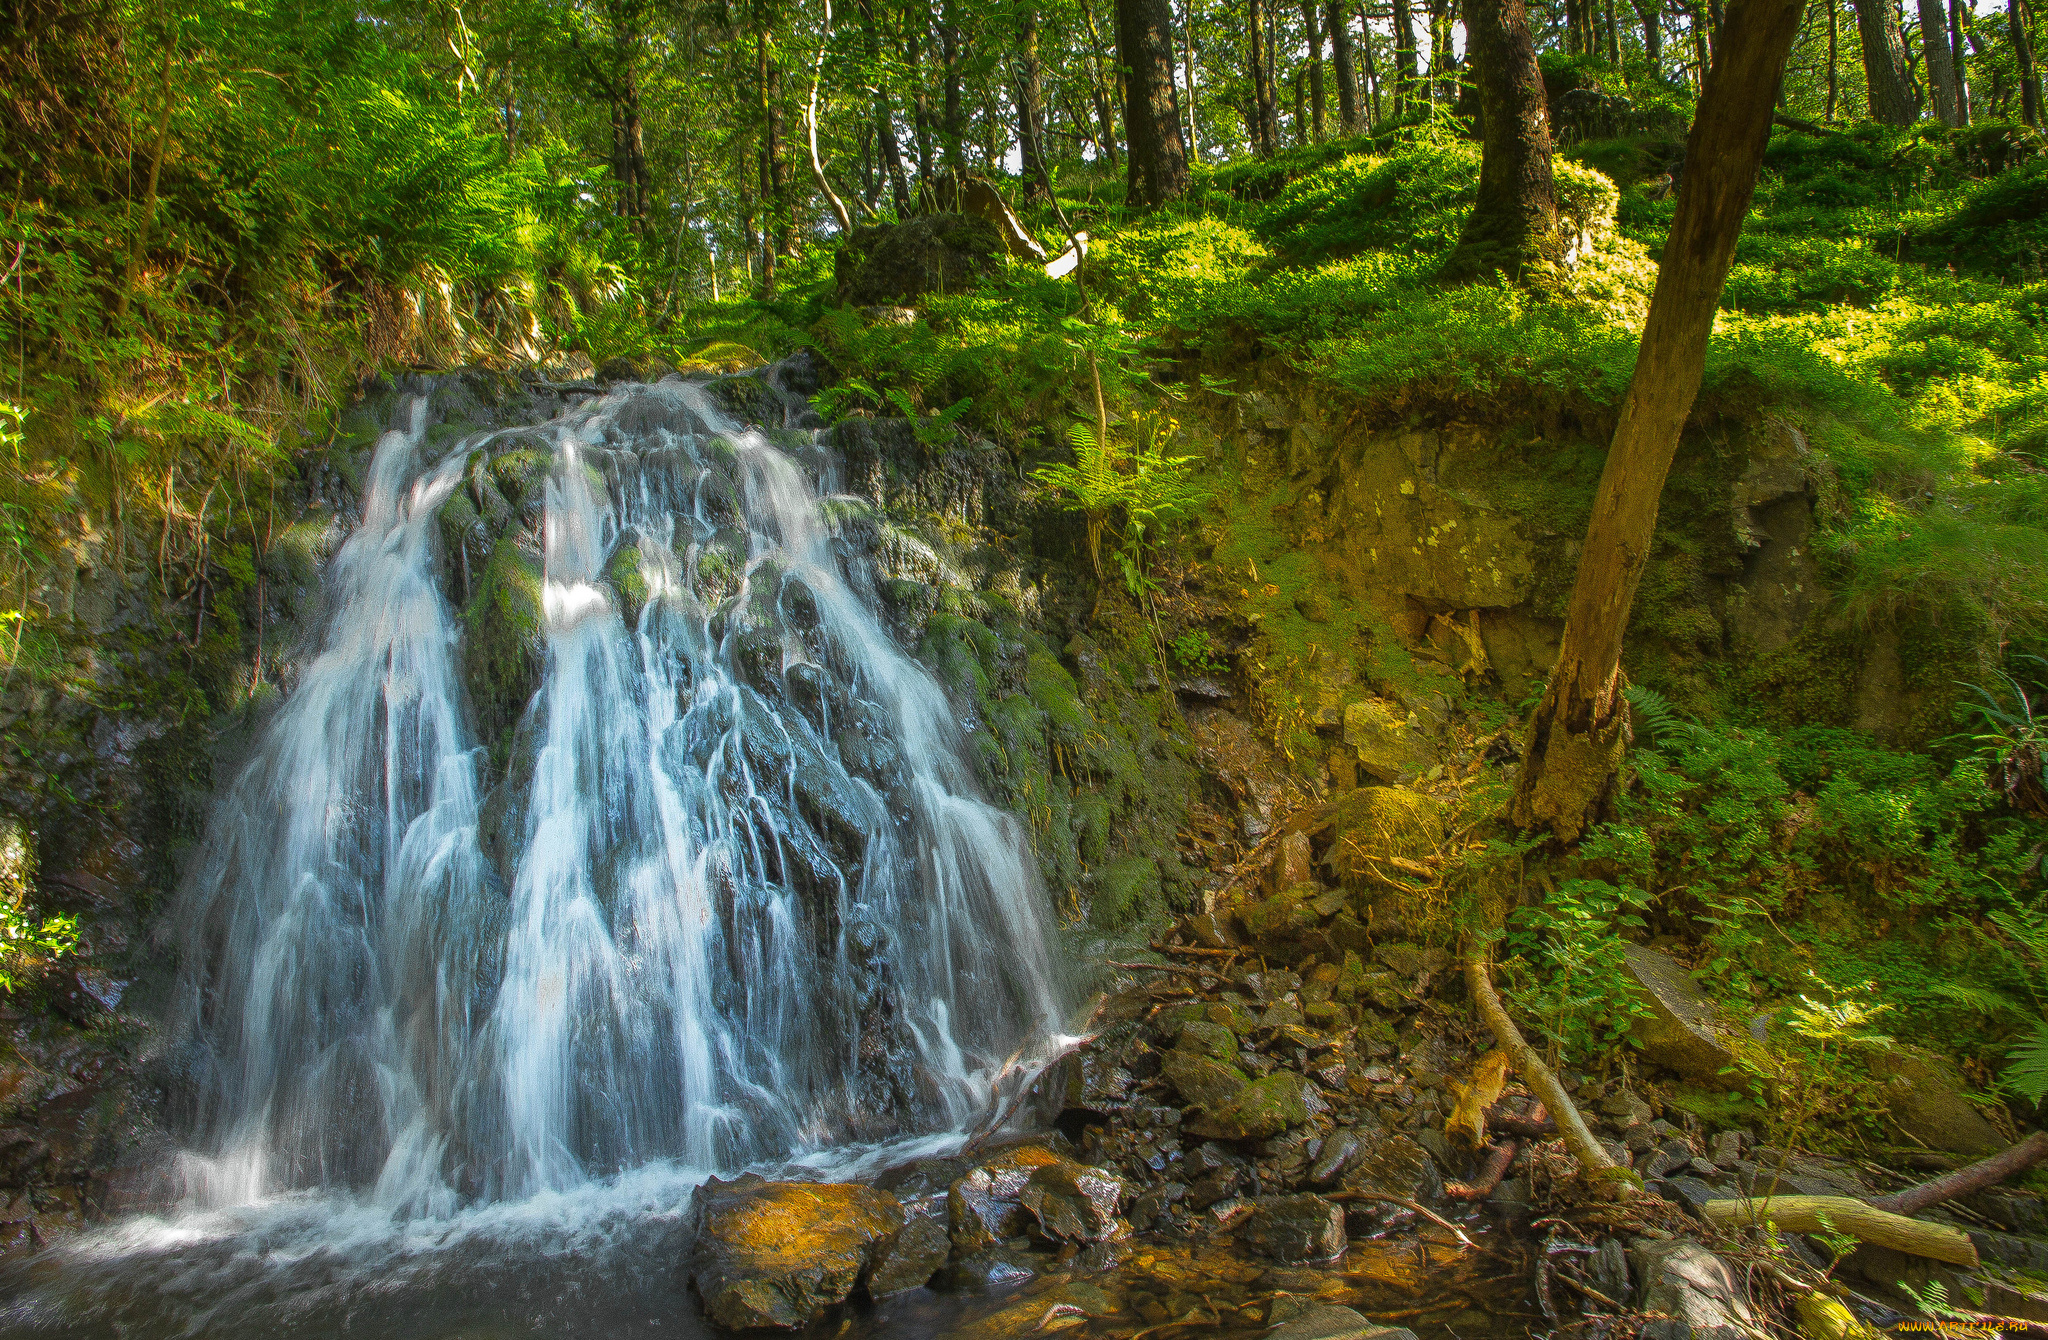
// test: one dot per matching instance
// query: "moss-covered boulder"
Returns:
(898, 264)
(1367, 831)
(1203, 1038)
(1203, 1081)
(779, 1253)
(1076, 1203)
(1262, 1108)
(504, 643)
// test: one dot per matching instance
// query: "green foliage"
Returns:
(1567, 968)
(1198, 652)
(1134, 488)
(27, 937)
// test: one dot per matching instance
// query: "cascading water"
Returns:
(731, 897)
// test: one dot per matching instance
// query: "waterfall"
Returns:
(734, 896)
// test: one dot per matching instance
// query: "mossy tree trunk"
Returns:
(1572, 756)
(1144, 47)
(1513, 226)
(1884, 63)
(1406, 72)
(1263, 137)
(1026, 95)
(1349, 121)
(2017, 17)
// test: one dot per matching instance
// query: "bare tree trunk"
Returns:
(1512, 228)
(2023, 57)
(1884, 63)
(1834, 45)
(1941, 73)
(1188, 117)
(1572, 758)
(1613, 34)
(1348, 120)
(1373, 105)
(1311, 23)
(1102, 83)
(139, 245)
(953, 130)
(1030, 114)
(1959, 53)
(1653, 32)
(1263, 138)
(920, 98)
(1144, 47)
(811, 131)
(1407, 71)
(1443, 61)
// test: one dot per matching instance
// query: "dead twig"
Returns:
(1408, 1204)
(1208, 975)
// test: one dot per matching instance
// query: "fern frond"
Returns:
(2026, 1065)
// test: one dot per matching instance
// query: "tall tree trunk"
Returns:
(1941, 72)
(1834, 46)
(1144, 47)
(1311, 24)
(1188, 117)
(1960, 55)
(1653, 32)
(1613, 34)
(1513, 224)
(1443, 61)
(953, 129)
(1407, 71)
(1299, 83)
(1366, 42)
(1348, 119)
(1572, 757)
(1263, 138)
(2023, 56)
(1030, 111)
(885, 114)
(920, 98)
(1884, 63)
(1102, 84)
(811, 131)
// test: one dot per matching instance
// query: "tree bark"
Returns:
(1834, 45)
(2023, 57)
(1941, 71)
(1348, 120)
(1959, 54)
(953, 129)
(1572, 755)
(1653, 32)
(1443, 60)
(1372, 104)
(1263, 119)
(1311, 23)
(1407, 71)
(1030, 112)
(2009, 1162)
(1188, 118)
(1589, 1152)
(1102, 84)
(1513, 227)
(1144, 47)
(1884, 63)
(832, 199)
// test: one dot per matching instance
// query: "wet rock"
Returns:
(1075, 1203)
(1336, 1155)
(992, 1268)
(1609, 1268)
(1925, 1101)
(1202, 1080)
(2005, 1301)
(1395, 1165)
(1282, 924)
(1325, 1321)
(1210, 931)
(1698, 1295)
(778, 1253)
(1147, 1209)
(1264, 1107)
(1069, 1305)
(1684, 1030)
(984, 1206)
(1097, 1084)
(917, 1253)
(1296, 1228)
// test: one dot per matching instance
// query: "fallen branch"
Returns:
(1528, 1127)
(1490, 1173)
(1195, 951)
(1804, 1214)
(1590, 1292)
(1961, 1182)
(1479, 977)
(1205, 974)
(1408, 1204)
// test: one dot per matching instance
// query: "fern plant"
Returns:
(1136, 488)
(2011, 735)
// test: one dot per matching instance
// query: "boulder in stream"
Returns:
(778, 1253)
(1296, 1228)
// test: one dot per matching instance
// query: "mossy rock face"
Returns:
(1203, 1038)
(1262, 1108)
(1282, 924)
(901, 263)
(504, 641)
(1203, 1080)
(1128, 888)
(1364, 828)
(779, 1253)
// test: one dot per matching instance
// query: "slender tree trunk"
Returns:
(1102, 85)
(1366, 42)
(1407, 71)
(1572, 757)
(138, 247)
(832, 199)
(1144, 48)
(920, 98)
(1348, 120)
(1263, 138)
(1030, 111)
(1299, 84)
(1701, 50)
(884, 112)
(1613, 34)
(1884, 63)
(635, 141)
(1513, 225)
(1189, 119)
(2023, 57)
(953, 130)
(1311, 24)
(1834, 46)
(1653, 32)
(1443, 62)
(1941, 73)
(1959, 54)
